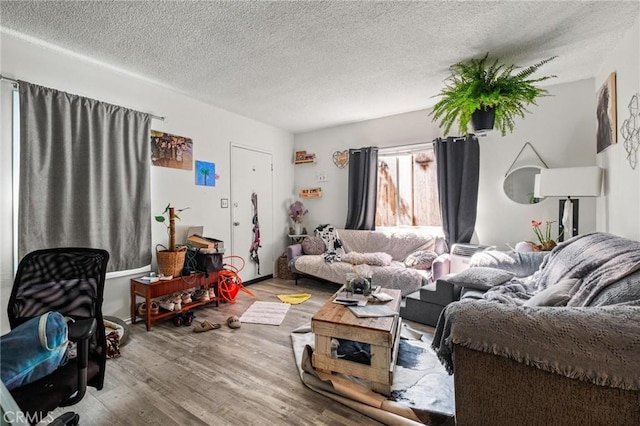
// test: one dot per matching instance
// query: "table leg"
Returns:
(148, 300)
(380, 360)
(323, 347)
(133, 305)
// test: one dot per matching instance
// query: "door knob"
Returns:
(236, 223)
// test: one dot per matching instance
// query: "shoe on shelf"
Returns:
(178, 319)
(167, 304)
(201, 295)
(142, 309)
(187, 318)
(177, 302)
(212, 293)
(155, 309)
(186, 298)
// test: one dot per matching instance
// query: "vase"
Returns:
(483, 119)
(297, 228)
(547, 245)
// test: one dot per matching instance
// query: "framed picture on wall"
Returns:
(606, 114)
(173, 151)
(205, 173)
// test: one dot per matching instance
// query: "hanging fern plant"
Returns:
(479, 84)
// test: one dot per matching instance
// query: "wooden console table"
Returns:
(382, 333)
(161, 288)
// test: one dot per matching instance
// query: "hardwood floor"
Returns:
(173, 376)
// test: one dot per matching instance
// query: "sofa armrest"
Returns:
(495, 390)
(521, 264)
(441, 266)
(294, 251)
(595, 344)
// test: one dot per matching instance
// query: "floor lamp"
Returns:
(568, 182)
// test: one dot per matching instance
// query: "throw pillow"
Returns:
(313, 245)
(480, 278)
(421, 259)
(554, 295)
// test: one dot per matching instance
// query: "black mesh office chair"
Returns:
(69, 281)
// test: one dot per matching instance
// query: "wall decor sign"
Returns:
(303, 158)
(606, 113)
(173, 151)
(341, 158)
(310, 193)
(205, 173)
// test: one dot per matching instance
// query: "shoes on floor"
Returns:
(187, 318)
(205, 325)
(234, 322)
(178, 319)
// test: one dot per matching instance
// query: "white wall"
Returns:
(561, 129)
(403, 129)
(211, 129)
(619, 208)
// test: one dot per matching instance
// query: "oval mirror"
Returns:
(519, 183)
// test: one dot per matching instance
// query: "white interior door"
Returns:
(251, 172)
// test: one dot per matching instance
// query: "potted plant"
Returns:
(485, 92)
(297, 211)
(171, 259)
(545, 243)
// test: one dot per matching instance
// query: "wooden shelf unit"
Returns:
(149, 291)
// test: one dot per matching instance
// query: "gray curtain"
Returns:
(458, 161)
(363, 188)
(84, 176)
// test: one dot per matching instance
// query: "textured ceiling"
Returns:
(308, 65)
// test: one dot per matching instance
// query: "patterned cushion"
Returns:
(313, 245)
(420, 259)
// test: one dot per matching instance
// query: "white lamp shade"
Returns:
(569, 182)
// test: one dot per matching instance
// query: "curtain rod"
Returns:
(17, 83)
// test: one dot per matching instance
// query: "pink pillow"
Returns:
(313, 245)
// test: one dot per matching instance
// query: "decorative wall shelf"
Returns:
(303, 158)
(310, 193)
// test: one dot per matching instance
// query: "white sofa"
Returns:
(398, 244)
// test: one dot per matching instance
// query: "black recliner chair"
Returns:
(69, 281)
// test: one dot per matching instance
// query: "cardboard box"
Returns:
(198, 241)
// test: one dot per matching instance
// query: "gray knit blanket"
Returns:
(600, 344)
(596, 260)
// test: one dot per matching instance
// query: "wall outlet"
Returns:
(224, 203)
(321, 176)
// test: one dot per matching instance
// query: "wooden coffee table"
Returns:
(383, 334)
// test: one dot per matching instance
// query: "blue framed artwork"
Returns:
(205, 173)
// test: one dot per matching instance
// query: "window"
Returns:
(100, 166)
(407, 188)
